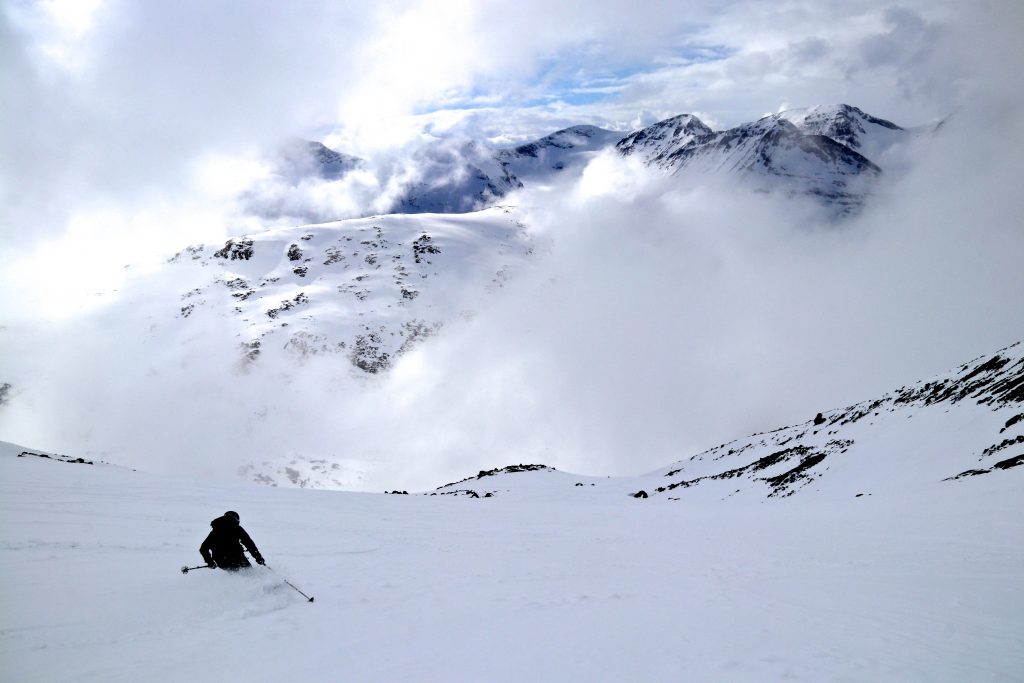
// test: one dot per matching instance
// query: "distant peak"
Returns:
(836, 114)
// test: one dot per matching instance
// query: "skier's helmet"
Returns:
(232, 513)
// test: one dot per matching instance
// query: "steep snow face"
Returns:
(365, 289)
(861, 132)
(657, 142)
(933, 435)
(568, 149)
(566, 585)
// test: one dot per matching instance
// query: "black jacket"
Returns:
(224, 544)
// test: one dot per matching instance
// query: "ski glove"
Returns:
(211, 564)
(260, 561)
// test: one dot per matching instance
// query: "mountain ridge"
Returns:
(974, 426)
(831, 153)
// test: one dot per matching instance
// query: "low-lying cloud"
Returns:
(656, 320)
(660, 317)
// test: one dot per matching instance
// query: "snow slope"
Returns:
(656, 143)
(937, 433)
(968, 422)
(920, 584)
(768, 155)
(870, 136)
(878, 542)
(365, 289)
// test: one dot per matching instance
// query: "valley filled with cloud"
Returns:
(658, 313)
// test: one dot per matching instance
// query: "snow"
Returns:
(552, 584)
(372, 289)
(861, 132)
(563, 152)
(875, 563)
(773, 154)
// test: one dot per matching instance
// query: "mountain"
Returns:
(568, 149)
(964, 424)
(450, 177)
(833, 153)
(769, 155)
(849, 126)
(458, 178)
(299, 158)
(364, 289)
(657, 142)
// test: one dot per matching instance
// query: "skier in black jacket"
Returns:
(223, 547)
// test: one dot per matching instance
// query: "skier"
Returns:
(223, 547)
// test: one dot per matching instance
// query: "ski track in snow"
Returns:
(915, 585)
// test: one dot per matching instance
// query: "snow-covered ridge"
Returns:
(847, 125)
(815, 152)
(966, 423)
(832, 153)
(657, 142)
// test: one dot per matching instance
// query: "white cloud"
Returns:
(671, 318)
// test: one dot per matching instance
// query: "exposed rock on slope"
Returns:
(861, 132)
(656, 143)
(366, 289)
(966, 423)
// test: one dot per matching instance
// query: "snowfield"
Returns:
(557, 583)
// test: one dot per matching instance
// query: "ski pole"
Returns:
(293, 586)
(186, 570)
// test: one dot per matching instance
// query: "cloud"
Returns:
(668, 320)
(116, 102)
(657, 319)
(662, 319)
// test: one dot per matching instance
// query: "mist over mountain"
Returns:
(550, 341)
(824, 152)
(566, 324)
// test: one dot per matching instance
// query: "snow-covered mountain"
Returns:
(461, 178)
(565, 150)
(966, 423)
(365, 289)
(301, 158)
(363, 292)
(814, 152)
(833, 153)
(656, 143)
(868, 135)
